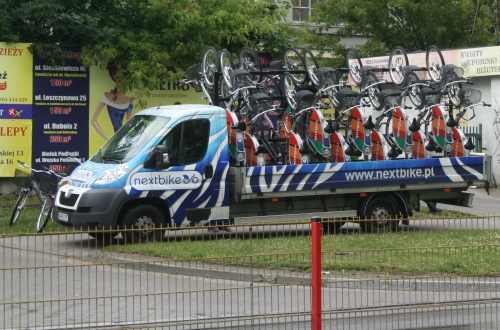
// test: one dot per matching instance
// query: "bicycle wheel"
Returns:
(311, 67)
(373, 92)
(414, 92)
(354, 65)
(293, 61)
(224, 92)
(44, 215)
(329, 85)
(209, 66)
(250, 61)
(226, 65)
(397, 62)
(271, 87)
(289, 88)
(434, 61)
(21, 201)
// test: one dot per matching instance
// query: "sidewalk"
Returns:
(482, 204)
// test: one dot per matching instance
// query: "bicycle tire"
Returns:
(271, 87)
(311, 66)
(374, 91)
(434, 60)
(21, 201)
(250, 61)
(289, 88)
(226, 65)
(326, 83)
(397, 62)
(44, 215)
(354, 65)
(209, 66)
(293, 61)
(414, 93)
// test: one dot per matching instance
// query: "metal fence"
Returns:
(431, 273)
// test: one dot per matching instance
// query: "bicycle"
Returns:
(48, 186)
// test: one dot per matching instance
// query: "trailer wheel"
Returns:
(380, 216)
(143, 223)
(332, 226)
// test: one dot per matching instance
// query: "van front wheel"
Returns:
(143, 223)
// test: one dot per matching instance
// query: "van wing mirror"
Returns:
(161, 156)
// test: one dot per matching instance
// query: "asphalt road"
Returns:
(66, 281)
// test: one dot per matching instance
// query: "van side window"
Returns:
(187, 142)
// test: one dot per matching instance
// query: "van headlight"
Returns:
(112, 174)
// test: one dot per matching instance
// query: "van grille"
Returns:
(71, 201)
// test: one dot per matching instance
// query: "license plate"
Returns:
(62, 216)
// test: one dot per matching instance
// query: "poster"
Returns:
(15, 144)
(476, 62)
(110, 107)
(60, 112)
(16, 97)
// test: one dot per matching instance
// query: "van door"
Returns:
(188, 185)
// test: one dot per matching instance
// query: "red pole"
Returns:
(316, 273)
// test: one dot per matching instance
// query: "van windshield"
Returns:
(130, 139)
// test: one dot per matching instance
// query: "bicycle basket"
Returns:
(277, 66)
(430, 96)
(48, 183)
(242, 78)
(328, 76)
(370, 75)
(259, 102)
(347, 98)
(387, 97)
(22, 178)
(194, 72)
(304, 99)
(469, 96)
(451, 73)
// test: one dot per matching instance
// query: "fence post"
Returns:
(315, 273)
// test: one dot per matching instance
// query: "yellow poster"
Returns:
(110, 108)
(15, 144)
(16, 74)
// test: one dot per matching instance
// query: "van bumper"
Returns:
(89, 209)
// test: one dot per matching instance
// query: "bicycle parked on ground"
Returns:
(50, 182)
(45, 192)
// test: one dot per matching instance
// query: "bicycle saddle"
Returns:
(304, 99)
(346, 97)
(324, 73)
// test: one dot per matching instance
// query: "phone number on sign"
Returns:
(13, 99)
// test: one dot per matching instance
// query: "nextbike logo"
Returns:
(82, 175)
(182, 180)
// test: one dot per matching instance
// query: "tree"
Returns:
(411, 24)
(144, 39)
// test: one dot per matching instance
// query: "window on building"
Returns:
(302, 9)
